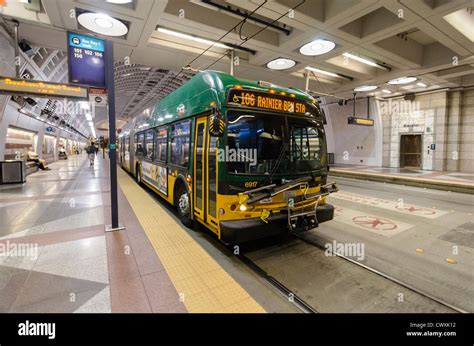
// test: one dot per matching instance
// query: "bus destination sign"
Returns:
(267, 101)
(9, 85)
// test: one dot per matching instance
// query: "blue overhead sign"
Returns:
(86, 60)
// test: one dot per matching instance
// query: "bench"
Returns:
(30, 167)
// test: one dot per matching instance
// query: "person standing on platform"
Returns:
(91, 153)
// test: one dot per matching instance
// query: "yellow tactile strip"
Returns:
(199, 280)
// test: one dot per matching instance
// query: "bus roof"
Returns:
(207, 89)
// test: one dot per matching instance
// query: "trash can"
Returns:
(12, 172)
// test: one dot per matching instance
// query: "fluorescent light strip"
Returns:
(365, 61)
(192, 38)
(332, 74)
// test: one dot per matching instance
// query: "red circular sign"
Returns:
(373, 222)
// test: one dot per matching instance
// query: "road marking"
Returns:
(381, 226)
(430, 213)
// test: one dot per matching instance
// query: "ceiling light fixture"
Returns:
(317, 47)
(281, 64)
(192, 38)
(102, 24)
(366, 88)
(385, 91)
(402, 80)
(365, 61)
(332, 74)
(119, 1)
(423, 85)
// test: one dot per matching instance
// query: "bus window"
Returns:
(140, 148)
(149, 144)
(127, 143)
(161, 144)
(180, 143)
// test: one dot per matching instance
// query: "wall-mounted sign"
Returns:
(9, 85)
(360, 121)
(263, 100)
(50, 129)
(98, 96)
(86, 60)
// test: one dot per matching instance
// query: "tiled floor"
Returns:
(56, 257)
(442, 176)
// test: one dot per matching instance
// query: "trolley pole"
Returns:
(112, 140)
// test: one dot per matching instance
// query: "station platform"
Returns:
(439, 180)
(57, 256)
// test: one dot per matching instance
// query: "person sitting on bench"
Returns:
(32, 156)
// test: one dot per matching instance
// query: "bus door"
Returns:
(199, 164)
(205, 174)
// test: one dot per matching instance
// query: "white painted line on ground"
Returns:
(399, 205)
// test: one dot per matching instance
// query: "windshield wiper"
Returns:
(277, 163)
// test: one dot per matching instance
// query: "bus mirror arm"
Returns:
(330, 187)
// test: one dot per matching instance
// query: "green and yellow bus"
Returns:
(245, 159)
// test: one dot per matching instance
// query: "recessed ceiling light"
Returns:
(281, 64)
(385, 91)
(317, 47)
(365, 61)
(102, 24)
(423, 85)
(402, 80)
(119, 1)
(366, 88)
(193, 38)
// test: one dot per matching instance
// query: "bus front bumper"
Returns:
(240, 231)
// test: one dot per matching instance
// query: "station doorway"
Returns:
(410, 151)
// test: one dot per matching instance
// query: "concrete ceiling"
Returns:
(411, 37)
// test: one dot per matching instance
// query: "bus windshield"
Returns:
(263, 144)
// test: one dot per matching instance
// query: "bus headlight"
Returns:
(243, 207)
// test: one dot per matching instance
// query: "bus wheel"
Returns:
(184, 208)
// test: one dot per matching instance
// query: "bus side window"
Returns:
(161, 144)
(150, 137)
(180, 133)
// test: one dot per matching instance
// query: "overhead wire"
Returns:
(188, 65)
(258, 32)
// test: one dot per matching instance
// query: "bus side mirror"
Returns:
(216, 123)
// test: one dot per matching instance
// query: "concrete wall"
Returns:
(9, 114)
(443, 118)
(7, 66)
(466, 147)
(354, 144)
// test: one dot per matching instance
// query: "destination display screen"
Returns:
(10, 85)
(360, 121)
(86, 60)
(267, 101)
